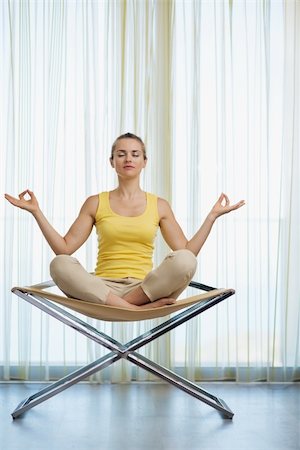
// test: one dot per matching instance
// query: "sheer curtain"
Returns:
(234, 70)
(213, 88)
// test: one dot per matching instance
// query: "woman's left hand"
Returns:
(222, 206)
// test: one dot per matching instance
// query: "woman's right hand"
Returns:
(31, 205)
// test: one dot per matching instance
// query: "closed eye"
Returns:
(134, 154)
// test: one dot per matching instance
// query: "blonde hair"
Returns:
(128, 136)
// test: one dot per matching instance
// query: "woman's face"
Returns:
(128, 158)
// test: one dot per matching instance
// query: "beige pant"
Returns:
(169, 279)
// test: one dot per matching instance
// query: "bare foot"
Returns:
(114, 300)
(159, 303)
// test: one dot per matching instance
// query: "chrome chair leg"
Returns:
(123, 351)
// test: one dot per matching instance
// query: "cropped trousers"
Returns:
(169, 279)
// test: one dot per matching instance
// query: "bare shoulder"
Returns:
(164, 208)
(90, 206)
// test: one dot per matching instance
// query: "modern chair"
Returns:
(60, 307)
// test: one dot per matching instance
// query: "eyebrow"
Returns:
(121, 150)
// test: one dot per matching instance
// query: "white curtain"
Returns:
(236, 88)
(213, 88)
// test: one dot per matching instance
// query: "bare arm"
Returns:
(173, 234)
(77, 234)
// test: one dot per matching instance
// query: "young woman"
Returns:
(126, 220)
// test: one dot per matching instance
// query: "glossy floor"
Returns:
(152, 416)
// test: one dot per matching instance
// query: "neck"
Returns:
(128, 189)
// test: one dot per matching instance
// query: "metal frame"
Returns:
(125, 351)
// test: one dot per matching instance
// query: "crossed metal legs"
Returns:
(118, 351)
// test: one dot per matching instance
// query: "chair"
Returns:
(185, 310)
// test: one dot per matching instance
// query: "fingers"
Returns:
(237, 205)
(21, 201)
(225, 203)
(11, 199)
(223, 200)
(31, 194)
(22, 195)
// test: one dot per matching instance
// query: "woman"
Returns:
(126, 221)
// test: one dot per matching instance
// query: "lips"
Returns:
(128, 166)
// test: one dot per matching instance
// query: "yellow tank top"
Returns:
(125, 244)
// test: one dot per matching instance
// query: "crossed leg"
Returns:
(160, 287)
(165, 283)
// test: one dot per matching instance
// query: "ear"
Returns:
(111, 160)
(145, 161)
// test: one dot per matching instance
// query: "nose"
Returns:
(128, 157)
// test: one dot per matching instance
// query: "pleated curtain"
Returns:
(213, 89)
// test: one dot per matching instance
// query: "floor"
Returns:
(152, 416)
